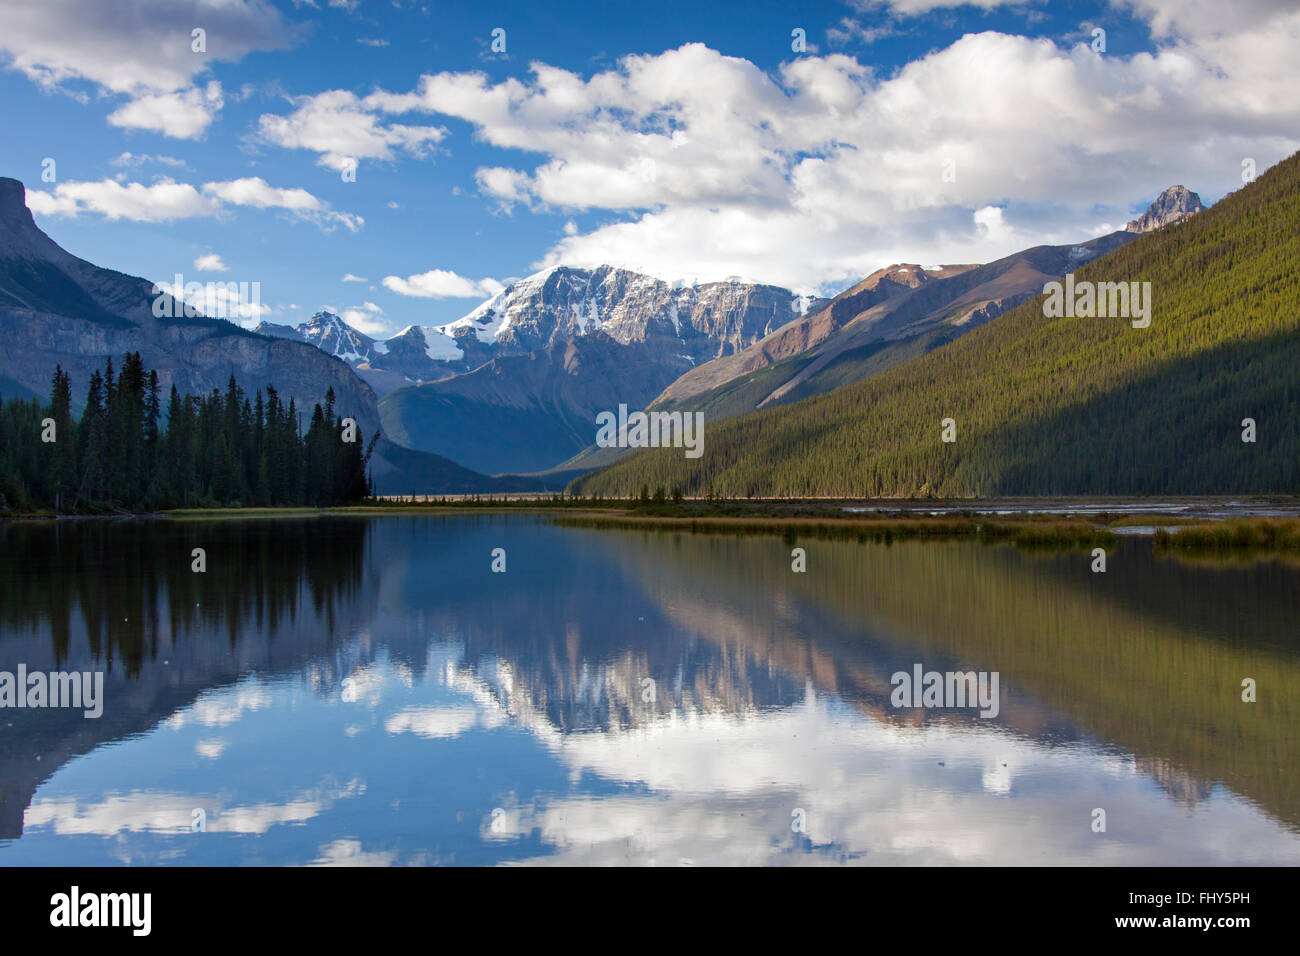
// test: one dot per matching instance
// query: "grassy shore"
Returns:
(1234, 535)
(1032, 531)
(828, 519)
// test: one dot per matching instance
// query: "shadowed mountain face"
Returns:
(891, 316)
(56, 309)
(372, 679)
(894, 315)
(525, 413)
(515, 385)
(1048, 403)
(888, 318)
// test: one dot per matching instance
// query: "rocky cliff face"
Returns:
(702, 321)
(514, 386)
(526, 413)
(329, 333)
(1173, 205)
(675, 327)
(56, 309)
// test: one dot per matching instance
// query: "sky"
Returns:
(399, 162)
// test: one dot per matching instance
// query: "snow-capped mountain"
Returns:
(708, 319)
(329, 333)
(674, 326)
(515, 384)
(59, 310)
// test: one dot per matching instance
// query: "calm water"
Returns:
(367, 691)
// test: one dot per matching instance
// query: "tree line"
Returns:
(216, 450)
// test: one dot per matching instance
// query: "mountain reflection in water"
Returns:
(365, 690)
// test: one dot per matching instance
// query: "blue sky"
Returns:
(688, 140)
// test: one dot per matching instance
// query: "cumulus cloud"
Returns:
(366, 318)
(210, 263)
(182, 115)
(167, 200)
(711, 166)
(442, 284)
(142, 49)
(161, 202)
(344, 129)
(349, 277)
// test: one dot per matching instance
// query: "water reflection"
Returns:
(366, 691)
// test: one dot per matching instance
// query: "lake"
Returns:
(368, 690)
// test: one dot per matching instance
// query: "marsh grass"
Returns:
(1036, 532)
(1240, 535)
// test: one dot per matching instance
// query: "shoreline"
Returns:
(1189, 525)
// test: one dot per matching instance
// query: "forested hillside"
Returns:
(1063, 405)
(215, 449)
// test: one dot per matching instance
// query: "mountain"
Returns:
(892, 316)
(524, 413)
(1059, 406)
(57, 309)
(701, 321)
(1173, 205)
(330, 334)
(557, 347)
(688, 323)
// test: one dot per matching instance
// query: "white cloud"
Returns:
(990, 222)
(442, 284)
(349, 277)
(344, 128)
(161, 202)
(256, 192)
(167, 200)
(367, 318)
(133, 159)
(713, 167)
(182, 115)
(210, 263)
(851, 30)
(141, 49)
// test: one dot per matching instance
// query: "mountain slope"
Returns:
(57, 309)
(674, 325)
(1060, 406)
(563, 345)
(937, 305)
(523, 413)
